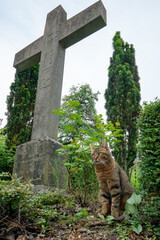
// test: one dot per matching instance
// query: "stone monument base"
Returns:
(36, 161)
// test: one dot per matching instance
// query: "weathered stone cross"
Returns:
(36, 159)
(49, 50)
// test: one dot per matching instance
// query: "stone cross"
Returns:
(49, 50)
(36, 160)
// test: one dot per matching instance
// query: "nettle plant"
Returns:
(76, 154)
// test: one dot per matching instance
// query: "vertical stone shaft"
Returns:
(50, 77)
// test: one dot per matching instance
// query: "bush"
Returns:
(18, 201)
(6, 155)
(149, 147)
(77, 154)
(13, 193)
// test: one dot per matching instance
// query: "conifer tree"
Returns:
(123, 99)
(20, 106)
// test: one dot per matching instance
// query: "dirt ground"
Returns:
(84, 228)
(95, 230)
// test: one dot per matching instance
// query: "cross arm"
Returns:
(83, 24)
(28, 56)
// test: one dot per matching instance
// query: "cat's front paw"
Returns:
(98, 211)
(101, 211)
(104, 213)
(115, 214)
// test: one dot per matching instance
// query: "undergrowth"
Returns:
(43, 210)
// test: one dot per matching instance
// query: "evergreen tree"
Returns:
(20, 106)
(123, 99)
(86, 109)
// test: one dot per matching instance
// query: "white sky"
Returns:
(22, 22)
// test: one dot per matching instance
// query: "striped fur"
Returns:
(115, 188)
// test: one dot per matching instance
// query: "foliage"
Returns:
(49, 198)
(131, 206)
(6, 155)
(17, 199)
(42, 207)
(86, 109)
(143, 214)
(149, 147)
(123, 99)
(13, 193)
(43, 211)
(77, 153)
(150, 210)
(80, 214)
(135, 177)
(20, 106)
(131, 209)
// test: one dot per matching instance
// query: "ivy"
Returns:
(20, 107)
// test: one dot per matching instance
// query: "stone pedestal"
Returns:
(37, 161)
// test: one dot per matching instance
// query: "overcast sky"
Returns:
(22, 22)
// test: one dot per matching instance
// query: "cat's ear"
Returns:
(92, 148)
(105, 145)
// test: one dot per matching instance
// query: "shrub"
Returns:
(6, 155)
(77, 154)
(150, 210)
(13, 193)
(18, 201)
(149, 147)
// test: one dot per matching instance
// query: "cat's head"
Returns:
(101, 155)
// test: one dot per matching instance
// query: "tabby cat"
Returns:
(115, 188)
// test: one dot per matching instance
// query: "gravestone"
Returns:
(36, 159)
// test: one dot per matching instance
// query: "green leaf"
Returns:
(130, 209)
(84, 212)
(110, 218)
(59, 111)
(75, 116)
(134, 199)
(73, 103)
(101, 216)
(137, 229)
